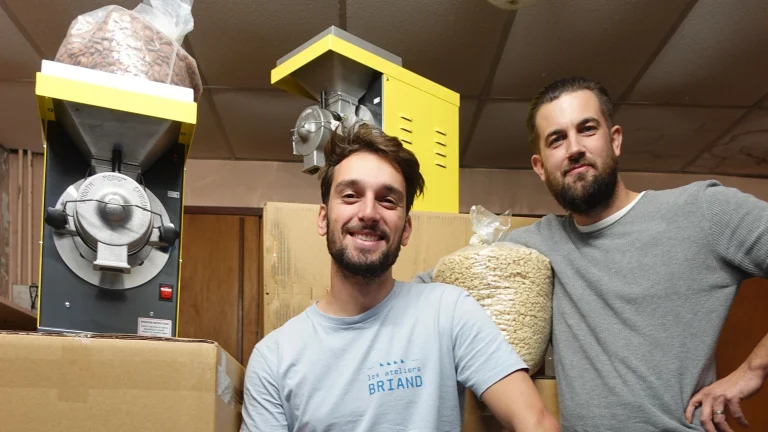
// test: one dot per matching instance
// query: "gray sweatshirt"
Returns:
(640, 300)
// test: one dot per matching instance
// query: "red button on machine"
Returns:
(166, 292)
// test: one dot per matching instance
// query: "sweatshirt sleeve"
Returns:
(262, 407)
(738, 226)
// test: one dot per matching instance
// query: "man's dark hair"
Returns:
(558, 88)
(367, 138)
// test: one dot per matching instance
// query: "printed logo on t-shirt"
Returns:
(394, 375)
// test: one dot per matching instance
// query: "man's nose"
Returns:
(369, 210)
(576, 148)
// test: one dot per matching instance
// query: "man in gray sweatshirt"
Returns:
(643, 281)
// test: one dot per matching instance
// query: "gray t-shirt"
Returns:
(639, 302)
(402, 366)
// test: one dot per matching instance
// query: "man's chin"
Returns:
(363, 270)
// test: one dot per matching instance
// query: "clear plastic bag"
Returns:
(513, 283)
(144, 42)
(488, 227)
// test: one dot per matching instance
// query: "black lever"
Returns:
(56, 218)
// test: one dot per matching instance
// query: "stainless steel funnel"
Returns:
(98, 131)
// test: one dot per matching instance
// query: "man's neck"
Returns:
(351, 296)
(622, 198)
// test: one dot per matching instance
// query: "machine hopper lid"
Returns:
(347, 37)
(102, 111)
(331, 70)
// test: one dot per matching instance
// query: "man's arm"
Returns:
(516, 403)
(262, 406)
(489, 366)
(738, 226)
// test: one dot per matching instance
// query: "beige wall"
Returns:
(250, 184)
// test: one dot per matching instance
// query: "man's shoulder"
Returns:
(691, 189)
(426, 292)
(691, 194)
(290, 333)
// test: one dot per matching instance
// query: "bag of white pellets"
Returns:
(512, 283)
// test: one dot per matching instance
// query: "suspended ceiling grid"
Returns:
(689, 76)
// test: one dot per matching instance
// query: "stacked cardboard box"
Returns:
(116, 383)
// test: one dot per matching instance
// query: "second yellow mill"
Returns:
(351, 80)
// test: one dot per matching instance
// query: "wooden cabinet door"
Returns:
(220, 299)
(210, 273)
(745, 326)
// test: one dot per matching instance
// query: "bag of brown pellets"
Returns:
(144, 42)
(513, 283)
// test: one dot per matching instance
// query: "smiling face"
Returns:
(579, 152)
(365, 219)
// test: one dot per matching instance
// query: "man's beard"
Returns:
(365, 266)
(585, 199)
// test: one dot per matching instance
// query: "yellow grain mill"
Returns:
(351, 80)
(115, 151)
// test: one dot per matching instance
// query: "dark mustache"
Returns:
(576, 163)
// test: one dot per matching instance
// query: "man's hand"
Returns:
(729, 391)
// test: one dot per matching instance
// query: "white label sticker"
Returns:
(172, 194)
(376, 100)
(155, 327)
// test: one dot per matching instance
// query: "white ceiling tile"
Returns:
(607, 40)
(717, 57)
(743, 151)
(259, 123)
(19, 120)
(450, 42)
(238, 42)
(209, 141)
(665, 138)
(18, 60)
(47, 21)
(500, 139)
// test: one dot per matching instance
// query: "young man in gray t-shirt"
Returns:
(643, 281)
(378, 354)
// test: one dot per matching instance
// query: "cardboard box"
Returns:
(116, 383)
(297, 266)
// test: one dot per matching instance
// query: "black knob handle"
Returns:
(56, 218)
(168, 234)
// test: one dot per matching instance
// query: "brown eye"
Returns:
(389, 202)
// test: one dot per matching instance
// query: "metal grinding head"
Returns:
(313, 130)
(94, 237)
(111, 217)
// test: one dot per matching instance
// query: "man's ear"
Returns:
(538, 166)
(616, 138)
(406, 231)
(322, 220)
